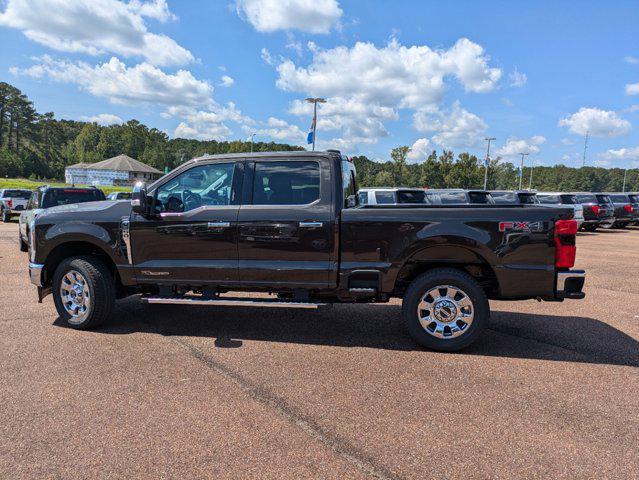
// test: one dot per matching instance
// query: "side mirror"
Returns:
(351, 201)
(139, 199)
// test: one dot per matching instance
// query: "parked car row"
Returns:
(591, 209)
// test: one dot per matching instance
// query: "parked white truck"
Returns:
(13, 201)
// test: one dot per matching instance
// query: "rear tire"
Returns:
(6, 216)
(445, 309)
(590, 227)
(83, 292)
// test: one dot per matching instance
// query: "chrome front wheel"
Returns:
(75, 296)
(445, 312)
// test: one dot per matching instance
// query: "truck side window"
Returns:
(385, 198)
(205, 185)
(363, 198)
(286, 183)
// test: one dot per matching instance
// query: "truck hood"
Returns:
(105, 210)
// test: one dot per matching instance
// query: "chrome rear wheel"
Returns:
(445, 312)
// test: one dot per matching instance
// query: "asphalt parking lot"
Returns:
(551, 391)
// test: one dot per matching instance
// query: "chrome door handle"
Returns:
(311, 224)
(219, 224)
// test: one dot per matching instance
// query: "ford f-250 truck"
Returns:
(290, 224)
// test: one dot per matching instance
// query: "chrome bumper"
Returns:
(570, 284)
(35, 273)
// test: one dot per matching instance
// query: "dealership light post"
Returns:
(314, 101)
(625, 172)
(252, 137)
(521, 168)
(488, 139)
(532, 165)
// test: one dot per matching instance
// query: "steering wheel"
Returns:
(191, 200)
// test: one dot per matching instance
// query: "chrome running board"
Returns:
(230, 302)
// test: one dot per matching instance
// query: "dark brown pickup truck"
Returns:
(290, 224)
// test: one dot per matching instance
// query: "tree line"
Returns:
(39, 146)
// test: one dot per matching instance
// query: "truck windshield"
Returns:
(569, 199)
(411, 196)
(585, 198)
(24, 194)
(603, 199)
(65, 196)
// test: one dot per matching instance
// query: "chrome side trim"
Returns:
(35, 273)
(231, 302)
(218, 224)
(311, 224)
(563, 276)
(126, 238)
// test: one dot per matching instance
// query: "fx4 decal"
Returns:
(521, 226)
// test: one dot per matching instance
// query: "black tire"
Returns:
(6, 216)
(23, 245)
(100, 286)
(453, 278)
(590, 227)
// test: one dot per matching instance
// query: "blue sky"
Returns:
(431, 75)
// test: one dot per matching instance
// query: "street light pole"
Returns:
(488, 139)
(521, 168)
(532, 165)
(625, 172)
(315, 101)
(252, 137)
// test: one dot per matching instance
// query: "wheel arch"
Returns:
(448, 256)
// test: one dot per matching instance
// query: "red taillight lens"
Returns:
(565, 248)
(628, 208)
(9, 203)
(595, 209)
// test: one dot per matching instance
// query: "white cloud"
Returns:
(313, 16)
(632, 88)
(140, 84)
(457, 128)
(227, 81)
(420, 150)
(599, 123)
(631, 154)
(96, 27)
(517, 79)
(281, 131)
(365, 86)
(103, 119)
(210, 124)
(392, 75)
(267, 57)
(633, 108)
(631, 60)
(516, 146)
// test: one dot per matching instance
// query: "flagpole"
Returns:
(314, 121)
(315, 101)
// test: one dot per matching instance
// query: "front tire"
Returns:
(83, 292)
(445, 309)
(23, 245)
(6, 216)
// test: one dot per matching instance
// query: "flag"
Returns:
(520, 171)
(486, 160)
(311, 132)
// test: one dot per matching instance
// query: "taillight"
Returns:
(9, 203)
(565, 248)
(628, 208)
(595, 209)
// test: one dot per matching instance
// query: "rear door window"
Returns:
(286, 183)
(479, 197)
(363, 198)
(569, 199)
(385, 198)
(452, 198)
(619, 198)
(585, 198)
(411, 196)
(65, 196)
(528, 198)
